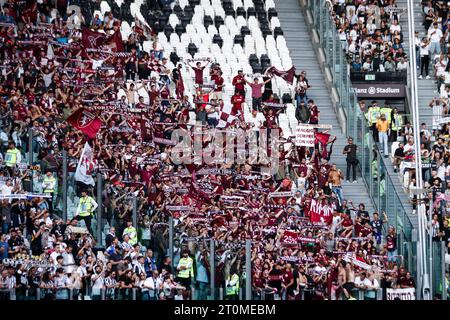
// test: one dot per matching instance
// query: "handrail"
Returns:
(356, 124)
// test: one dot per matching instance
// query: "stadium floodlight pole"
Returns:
(443, 271)
(99, 208)
(171, 240)
(430, 232)
(64, 185)
(30, 155)
(418, 161)
(212, 266)
(248, 269)
(135, 207)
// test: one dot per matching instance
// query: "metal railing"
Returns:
(376, 177)
(396, 76)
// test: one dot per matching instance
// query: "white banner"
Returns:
(440, 121)
(85, 166)
(403, 294)
(304, 136)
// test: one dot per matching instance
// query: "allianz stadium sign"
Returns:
(379, 90)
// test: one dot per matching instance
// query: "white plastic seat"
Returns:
(183, 3)
(125, 30)
(269, 4)
(274, 22)
(134, 9)
(248, 4)
(237, 4)
(240, 22)
(104, 7)
(174, 39)
(173, 20)
(209, 11)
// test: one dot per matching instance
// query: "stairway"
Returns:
(426, 88)
(304, 58)
(397, 180)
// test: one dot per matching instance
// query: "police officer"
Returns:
(85, 210)
(12, 157)
(387, 111)
(396, 125)
(131, 232)
(48, 186)
(372, 116)
(185, 272)
(232, 285)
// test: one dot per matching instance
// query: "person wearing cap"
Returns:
(185, 271)
(131, 232)
(383, 127)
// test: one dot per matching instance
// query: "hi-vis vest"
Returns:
(374, 169)
(49, 181)
(387, 112)
(397, 124)
(373, 114)
(189, 271)
(11, 157)
(232, 285)
(85, 206)
(131, 232)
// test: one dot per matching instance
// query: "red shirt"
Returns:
(22, 110)
(218, 80)
(237, 100)
(287, 277)
(198, 74)
(314, 114)
(239, 82)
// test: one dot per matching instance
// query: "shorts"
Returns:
(185, 282)
(256, 103)
(217, 95)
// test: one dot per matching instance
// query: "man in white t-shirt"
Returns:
(395, 27)
(255, 119)
(402, 64)
(435, 35)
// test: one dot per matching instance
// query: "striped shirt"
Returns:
(8, 282)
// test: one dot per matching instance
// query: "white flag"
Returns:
(85, 166)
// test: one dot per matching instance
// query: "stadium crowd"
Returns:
(370, 33)
(308, 240)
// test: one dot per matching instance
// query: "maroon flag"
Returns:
(115, 42)
(86, 122)
(287, 75)
(92, 39)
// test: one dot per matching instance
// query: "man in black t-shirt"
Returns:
(350, 150)
(399, 156)
(275, 278)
